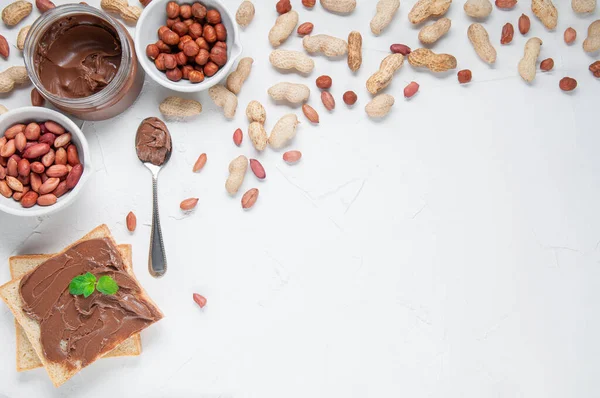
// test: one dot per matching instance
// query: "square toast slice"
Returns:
(27, 359)
(10, 292)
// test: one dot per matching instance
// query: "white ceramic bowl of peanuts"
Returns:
(49, 176)
(211, 22)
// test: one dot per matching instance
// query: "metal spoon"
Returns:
(153, 147)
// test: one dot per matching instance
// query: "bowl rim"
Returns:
(140, 48)
(36, 112)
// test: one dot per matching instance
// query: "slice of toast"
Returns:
(27, 359)
(10, 292)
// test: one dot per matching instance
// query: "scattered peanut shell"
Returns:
(258, 135)
(256, 112)
(431, 33)
(380, 106)
(177, 107)
(22, 36)
(546, 12)
(384, 13)
(328, 45)
(283, 28)
(592, 42)
(481, 42)
(290, 92)
(425, 9)
(478, 8)
(292, 60)
(245, 13)
(284, 131)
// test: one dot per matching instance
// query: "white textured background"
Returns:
(450, 250)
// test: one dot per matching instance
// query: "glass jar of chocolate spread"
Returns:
(83, 61)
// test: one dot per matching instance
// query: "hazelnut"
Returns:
(199, 68)
(185, 11)
(180, 28)
(201, 42)
(174, 74)
(152, 51)
(171, 38)
(163, 47)
(190, 48)
(218, 55)
(172, 9)
(170, 61)
(183, 40)
(161, 30)
(198, 11)
(159, 62)
(181, 58)
(324, 82)
(209, 34)
(202, 57)
(210, 69)
(309, 3)
(188, 22)
(213, 17)
(283, 6)
(221, 32)
(196, 76)
(221, 44)
(350, 98)
(185, 71)
(172, 21)
(195, 30)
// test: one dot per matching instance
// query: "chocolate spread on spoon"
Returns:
(153, 141)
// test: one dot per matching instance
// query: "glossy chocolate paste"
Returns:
(153, 141)
(78, 56)
(75, 329)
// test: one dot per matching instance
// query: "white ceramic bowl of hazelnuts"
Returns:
(75, 154)
(187, 46)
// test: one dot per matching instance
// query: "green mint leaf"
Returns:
(107, 285)
(88, 290)
(82, 284)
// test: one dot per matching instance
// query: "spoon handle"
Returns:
(157, 260)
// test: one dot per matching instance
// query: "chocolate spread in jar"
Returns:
(153, 141)
(78, 56)
(75, 329)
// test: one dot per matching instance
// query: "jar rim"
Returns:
(39, 28)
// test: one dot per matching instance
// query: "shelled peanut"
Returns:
(192, 43)
(42, 163)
